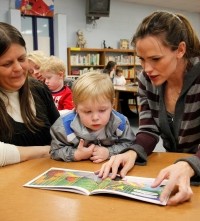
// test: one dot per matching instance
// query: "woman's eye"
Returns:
(22, 60)
(155, 59)
(6, 64)
(141, 59)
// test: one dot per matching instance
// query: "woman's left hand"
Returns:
(125, 160)
(178, 185)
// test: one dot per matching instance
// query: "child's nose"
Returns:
(95, 116)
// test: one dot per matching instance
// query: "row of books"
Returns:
(93, 59)
(86, 59)
(84, 70)
(120, 59)
(128, 73)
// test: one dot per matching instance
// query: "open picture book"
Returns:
(88, 183)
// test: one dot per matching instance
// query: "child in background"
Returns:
(53, 71)
(35, 60)
(93, 130)
(119, 78)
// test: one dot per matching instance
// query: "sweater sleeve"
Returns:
(61, 148)
(9, 154)
(194, 162)
(148, 134)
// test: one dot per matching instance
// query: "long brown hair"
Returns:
(10, 35)
(172, 29)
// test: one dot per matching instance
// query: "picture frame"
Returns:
(124, 44)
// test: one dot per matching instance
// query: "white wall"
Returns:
(4, 6)
(121, 24)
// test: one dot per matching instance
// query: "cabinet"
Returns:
(81, 60)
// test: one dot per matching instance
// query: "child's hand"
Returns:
(83, 153)
(99, 154)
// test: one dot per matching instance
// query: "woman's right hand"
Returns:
(178, 176)
(125, 160)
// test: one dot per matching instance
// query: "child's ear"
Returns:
(75, 109)
(113, 103)
(61, 74)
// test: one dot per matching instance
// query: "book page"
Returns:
(133, 187)
(82, 182)
(87, 183)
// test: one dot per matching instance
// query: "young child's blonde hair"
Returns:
(53, 64)
(94, 86)
(38, 57)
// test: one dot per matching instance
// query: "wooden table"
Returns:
(29, 204)
(126, 88)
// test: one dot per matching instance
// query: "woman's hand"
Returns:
(178, 184)
(125, 160)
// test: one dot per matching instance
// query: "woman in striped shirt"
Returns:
(169, 93)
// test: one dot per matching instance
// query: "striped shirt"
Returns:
(184, 134)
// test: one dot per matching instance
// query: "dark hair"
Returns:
(118, 70)
(10, 35)
(109, 67)
(171, 29)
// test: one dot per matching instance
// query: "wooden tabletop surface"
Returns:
(28, 204)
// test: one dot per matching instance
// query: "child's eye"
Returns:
(87, 112)
(36, 67)
(102, 110)
(31, 71)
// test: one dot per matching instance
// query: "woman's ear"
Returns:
(181, 49)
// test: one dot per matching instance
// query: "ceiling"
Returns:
(185, 5)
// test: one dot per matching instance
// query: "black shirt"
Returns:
(48, 112)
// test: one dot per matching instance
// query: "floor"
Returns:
(134, 125)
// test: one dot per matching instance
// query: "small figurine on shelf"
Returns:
(81, 42)
(104, 44)
(124, 44)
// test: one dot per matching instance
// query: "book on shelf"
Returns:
(84, 59)
(120, 59)
(88, 183)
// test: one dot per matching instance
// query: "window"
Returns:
(38, 33)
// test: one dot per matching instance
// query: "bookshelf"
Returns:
(81, 60)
